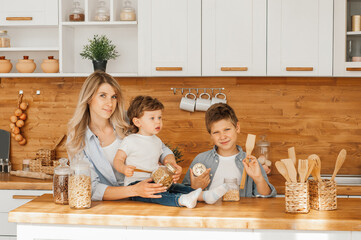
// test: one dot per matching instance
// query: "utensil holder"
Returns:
(323, 195)
(297, 198)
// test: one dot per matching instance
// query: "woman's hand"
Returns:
(252, 167)
(201, 181)
(129, 170)
(146, 189)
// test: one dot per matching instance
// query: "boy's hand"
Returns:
(200, 182)
(129, 170)
(178, 172)
(252, 167)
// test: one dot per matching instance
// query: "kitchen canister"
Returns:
(323, 195)
(232, 195)
(60, 182)
(163, 175)
(80, 185)
(50, 65)
(356, 23)
(297, 197)
(5, 65)
(26, 65)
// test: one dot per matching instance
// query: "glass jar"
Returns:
(163, 175)
(60, 182)
(26, 165)
(232, 195)
(128, 12)
(263, 148)
(80, 185)
(4, 39)
(198, 169)
(76, 13)
(102, 13)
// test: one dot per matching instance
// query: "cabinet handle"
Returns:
(168, 68)
(234, 68)
(24, 196)
(299, 68)
(353, 69)
(19, 18)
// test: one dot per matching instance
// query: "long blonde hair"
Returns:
(78, 123)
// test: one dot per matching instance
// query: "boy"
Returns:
(142, 149)
(227, 159)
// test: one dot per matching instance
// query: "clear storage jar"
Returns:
(80, 186)
(128, 12)
(232, 195)
(61, 182)
(76, 13)
(163, 175)
(102, 13)
(4, 39)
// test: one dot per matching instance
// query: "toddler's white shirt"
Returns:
(227, 168)
(143, 152)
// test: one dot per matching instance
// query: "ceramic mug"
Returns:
(188, 103)
(215, 99)
(202, 104)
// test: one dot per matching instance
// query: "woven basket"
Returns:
(36, 166)
(297, 198)
(46, 156)
(323, 195)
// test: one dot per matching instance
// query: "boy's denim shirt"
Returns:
(211, 160)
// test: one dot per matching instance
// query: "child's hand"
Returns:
(129, 170)
(252, 167)
(202, 181)
(178, 172)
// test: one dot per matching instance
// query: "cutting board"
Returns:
(4, 144)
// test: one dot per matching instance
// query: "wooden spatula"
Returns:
(290, 169)
(311, 164)
(302, 169)
(292, 155)
(316, 172)
(282, 170)
(140, 170)
(251, 139)
(340, 160)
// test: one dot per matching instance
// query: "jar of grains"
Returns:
(76, 13)
(4, 39)
(60, 182)
(232, 195)
(128, 12)
(80, 185)
(163, 175)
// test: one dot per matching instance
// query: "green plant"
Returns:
(177, 153)
(99, 48)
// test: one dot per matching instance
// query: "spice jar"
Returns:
(60, 182)
(26, 165)
(128, 12)
(5, 65)
(4, 39)
(76, 13)
(163, 175)
(80, 185)
(102, 13)
(50, 65)
(232, 195)
(26, 65)
(262, 152)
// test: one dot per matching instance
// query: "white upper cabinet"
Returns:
(300, 34)
(234, 37)
(169, 41)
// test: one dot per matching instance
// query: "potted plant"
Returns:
(100, 49)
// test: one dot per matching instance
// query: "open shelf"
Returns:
(29, 49)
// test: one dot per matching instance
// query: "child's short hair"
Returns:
(138, 106)
(220, 111)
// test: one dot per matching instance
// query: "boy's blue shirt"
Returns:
(211, 160)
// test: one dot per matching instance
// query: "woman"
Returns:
(95, 132)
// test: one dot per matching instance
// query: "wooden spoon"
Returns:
(251, 139)
(290, 169)
(316, 172)
(292, 155)
(311, 164)
(340, 160)
(302, 169)
(140, 170)
(282, 170)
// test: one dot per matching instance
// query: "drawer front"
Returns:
(6, 228)
(11, 199)
(25, 12)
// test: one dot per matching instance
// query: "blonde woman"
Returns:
(96, 130)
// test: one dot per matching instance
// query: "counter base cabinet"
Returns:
(75, 232)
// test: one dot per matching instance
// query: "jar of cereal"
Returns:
(232, 195)
(163, 175)
(80, 185)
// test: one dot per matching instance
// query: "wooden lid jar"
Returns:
(50, 65)
(5, 65)
(26, 65)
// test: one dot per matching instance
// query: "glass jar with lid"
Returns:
(76, 13)
(4, 39)
(263, 153)
(128, 12)
(60, 182)
(232, 195)
(80, 185)
(163, 175)
(102, 13)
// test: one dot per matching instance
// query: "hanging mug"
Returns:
(202, 104)
(188, 103)
(216, 99)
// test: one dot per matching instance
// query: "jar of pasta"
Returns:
(60, 182)
(163, 175)
(80, 185)
(232, 195)
(4, 39)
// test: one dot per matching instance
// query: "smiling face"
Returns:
(150, 123)
(103, 103)
(224, 136)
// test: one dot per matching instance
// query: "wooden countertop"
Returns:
(249, 213)
(8, 181)
(279, 183)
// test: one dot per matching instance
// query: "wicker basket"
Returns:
(323, 195)
(36, 166)
(46, 156)
(297, 198)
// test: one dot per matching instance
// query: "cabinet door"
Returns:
(169, 37)
(234, 37)
(300, 37)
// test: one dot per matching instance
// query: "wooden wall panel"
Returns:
(316, 115)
